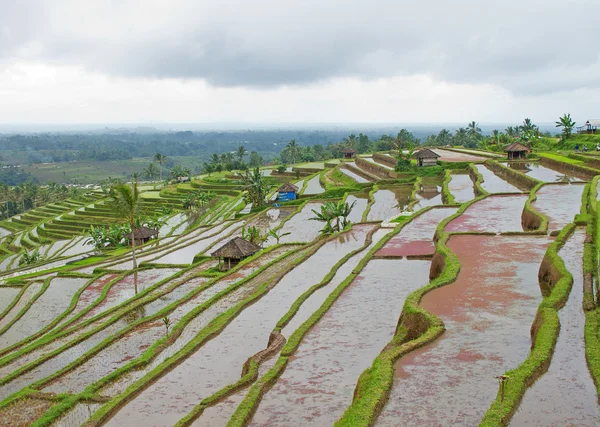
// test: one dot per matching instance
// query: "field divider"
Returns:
(477, 180)
(26, 307)
(14, 301)
(370, 203)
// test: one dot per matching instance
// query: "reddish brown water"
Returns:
(219, 362)
(53, 302)
(389, 204)
(488, 314)
(566, 394)
(461, 187)
(492, 183)
(453, 156)
(319, 380)
(493, 214)
(560, 203)
(416, 238)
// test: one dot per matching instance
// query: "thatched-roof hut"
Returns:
(517, 150)
(142, 235)
(426, 157)
(287, 192)
(234, 251)
(349, 153)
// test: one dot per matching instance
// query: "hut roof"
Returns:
(349, 150)
(236, 248)
(143, 232)
(288, 188)
(516, 146)
(426, 153)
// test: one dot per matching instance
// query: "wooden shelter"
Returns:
(349, 153)
(287, 192)
(142, 235)
(426, 157)
(234, 251)
(516, 150)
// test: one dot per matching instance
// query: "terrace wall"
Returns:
(375, 169)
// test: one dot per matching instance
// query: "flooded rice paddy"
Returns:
(217, 364)
(354, 176)
(542, 173)
(314, 186)
(492, 183)
(389, 203)
(429, 193)
(319, 380)
(360, 205)
(488, 314)
(461, 187)
(566, 394)
(507, 215)
(301, 227)
(453, 156)
(560, 203)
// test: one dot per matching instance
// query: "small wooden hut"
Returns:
(232, 252)
(287, 192)
(516, 151)
(426, 157)
(349, 153)
(142, 235)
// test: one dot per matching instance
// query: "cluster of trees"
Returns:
(28, 195)
(234, 160)
(14, 175)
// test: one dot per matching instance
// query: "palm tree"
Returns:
(126, 201)
(160, 159)
(473, 130)
(566, 124)
(256, 187)
(496, 136)
(241, 152)
(293, 150)
(330, 212)
(444, 137)
(151, 171)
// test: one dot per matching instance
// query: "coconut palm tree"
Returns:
(567, 124)
(151, 171)
(241, 153)
(331, 212)
(473, 130)
(293, 150)
(126, 201)
(160, 159)
(256, 187)
(496, 136)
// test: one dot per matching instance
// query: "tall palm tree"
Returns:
(160, 159)
(126, 201)
(496, 136)
(256, 187)
(151, 171)
(241, 153)
(473, 130)
(293, 150)
(566, 124)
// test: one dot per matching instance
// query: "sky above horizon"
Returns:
(315, 61)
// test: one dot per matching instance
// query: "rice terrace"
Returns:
(461, 289)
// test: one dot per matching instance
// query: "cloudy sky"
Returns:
(309, 61)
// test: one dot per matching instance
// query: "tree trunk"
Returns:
(133, 245)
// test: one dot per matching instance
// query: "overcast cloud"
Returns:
(531, 53)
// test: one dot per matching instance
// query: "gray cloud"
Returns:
(529, 47)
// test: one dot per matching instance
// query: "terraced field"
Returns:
(468, 298)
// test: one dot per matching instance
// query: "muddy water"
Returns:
(88, 296)
(23, 412)
(300, 226)
(128, 287)
(542, 173)
(7, 295)
(318, 297)
(77, 416)
(493, 214)
(389, 204)
(54, 301)
(29, 293)
(429, 194)
(488, 314)
(199, 322)
(566, 394)
(461, 187)
(492, 183)
(314, 186)
(453, 156)
(219, 414)
(560, 203)
(186, 254)
(354, 176)
(137, 341)
(319, 380)
(359, 208)
(219, 362)
(416, 238)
